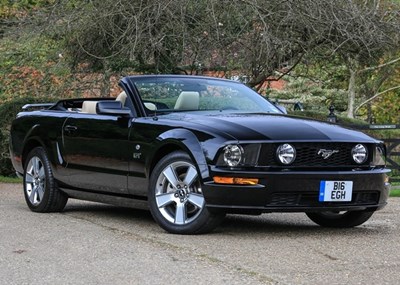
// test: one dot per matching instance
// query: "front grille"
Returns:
(311, 199)
(307, 155)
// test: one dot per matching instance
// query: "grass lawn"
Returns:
(4, 179)
(395, 192)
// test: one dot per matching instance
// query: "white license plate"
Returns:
(335, 191)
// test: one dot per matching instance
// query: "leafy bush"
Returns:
(32, 66)
(313, 96)
(8, 112)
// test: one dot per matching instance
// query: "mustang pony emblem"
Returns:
(326, 153)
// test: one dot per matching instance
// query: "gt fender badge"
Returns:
(326, 153)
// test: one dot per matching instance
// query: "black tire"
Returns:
(40, 189)
(340, 220)
(175, 198)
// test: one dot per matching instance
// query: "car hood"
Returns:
(270, 127)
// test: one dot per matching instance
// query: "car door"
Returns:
(93, 148)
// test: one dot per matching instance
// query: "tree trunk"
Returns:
(352, 92)
(105, 87)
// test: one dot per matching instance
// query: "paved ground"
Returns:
(91, 243)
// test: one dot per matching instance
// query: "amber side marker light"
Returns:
(235, 180)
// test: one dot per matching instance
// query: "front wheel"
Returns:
(340, 219)
(40, 188)
(175, 197)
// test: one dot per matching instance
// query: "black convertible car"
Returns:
(192, 149)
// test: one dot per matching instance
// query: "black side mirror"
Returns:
(113, 108)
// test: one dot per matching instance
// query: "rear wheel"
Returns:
(340, 219)
(175, 197)
(40, 188)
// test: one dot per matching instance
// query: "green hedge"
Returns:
(8, 111)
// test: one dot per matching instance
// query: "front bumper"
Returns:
(296, 191)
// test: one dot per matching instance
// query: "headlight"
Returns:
(233, 155)
(359, 153)
(286, 153)
(245, 155)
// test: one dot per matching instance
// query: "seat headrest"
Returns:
(188, 100)
(121, 97)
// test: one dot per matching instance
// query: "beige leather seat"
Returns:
(188, 100)
(122, 98)
(89, 107)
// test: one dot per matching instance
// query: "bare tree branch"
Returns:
(381, 65)
(375, 96)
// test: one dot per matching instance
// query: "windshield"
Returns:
(169, 94)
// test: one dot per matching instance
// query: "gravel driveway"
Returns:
(91, 243)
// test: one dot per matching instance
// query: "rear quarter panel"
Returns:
(37, 128)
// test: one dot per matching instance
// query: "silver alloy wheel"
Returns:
(35, 180)
(178, 193)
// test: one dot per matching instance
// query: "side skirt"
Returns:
(107, 199)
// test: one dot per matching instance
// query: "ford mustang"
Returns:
(193, 149)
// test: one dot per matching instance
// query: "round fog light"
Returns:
(359, 153)
(286, 153)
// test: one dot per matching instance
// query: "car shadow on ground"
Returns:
(285, 224)
(110, 211)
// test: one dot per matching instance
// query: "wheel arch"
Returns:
(30, 144)
(34, 138)
(180, 140)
